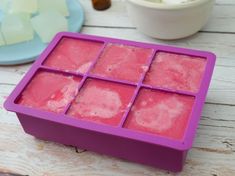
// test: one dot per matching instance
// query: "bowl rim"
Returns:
(155, 5)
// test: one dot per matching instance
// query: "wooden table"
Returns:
(213, 151)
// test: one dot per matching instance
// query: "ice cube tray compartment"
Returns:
(160, 113)
(132, 117)
(70, 56)
(73, 55)
(131, 60)
(102, 102)
(49, 91)
(176, 71)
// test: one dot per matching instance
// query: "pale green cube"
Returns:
(25, 6)
(58, 5)
(4, 5)
(2, 42)
(17, 28)
(48, 23)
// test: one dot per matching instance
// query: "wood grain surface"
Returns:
(213, 151)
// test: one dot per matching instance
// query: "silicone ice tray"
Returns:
(137, 101)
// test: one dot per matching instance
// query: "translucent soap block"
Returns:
(161, 113)
(101, 102)
(2, 42)
(26, 6)
(58, 5)
(4, 4)
(48, 23)
(17, 28)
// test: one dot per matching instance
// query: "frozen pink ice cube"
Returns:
(73, 55)
(176, 71)
(49, 91)
(162, 113)
(101, 102)
(123, 62)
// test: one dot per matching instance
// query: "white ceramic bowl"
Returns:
(169, 21)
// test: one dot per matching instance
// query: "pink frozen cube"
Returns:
(102, 102)
(123, 62)
(73, 55)
(160, 113)
(175, 71)
(49, 91)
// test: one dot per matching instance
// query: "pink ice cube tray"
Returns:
(137, 101)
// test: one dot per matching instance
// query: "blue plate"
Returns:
(28, 51)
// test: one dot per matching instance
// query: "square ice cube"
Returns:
(48, 23)
(58, 5)
(27, 6)
(17, 28)
(4, 4)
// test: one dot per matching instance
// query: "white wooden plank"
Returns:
(225, 2)
(222, 88)
(222, 19)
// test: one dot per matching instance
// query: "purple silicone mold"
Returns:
(161, 149)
